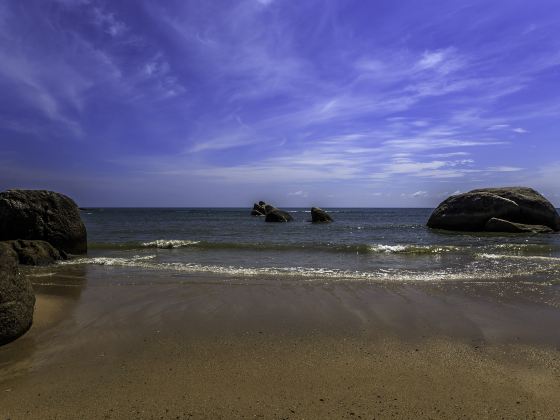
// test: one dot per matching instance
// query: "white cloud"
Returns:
(442, 61)
(108, 22)
(302, 194)
(504, 169)
(520, 130)
(498, 127)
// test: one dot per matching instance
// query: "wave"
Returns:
(168, 243)
(326, 247)
(413, 249)
(519, 257)
(357, 248)
(306, 273)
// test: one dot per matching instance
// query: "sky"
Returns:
(329, 103)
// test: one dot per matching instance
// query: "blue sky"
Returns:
(329, 103)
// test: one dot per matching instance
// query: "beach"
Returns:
(279, 210)
(111, 343)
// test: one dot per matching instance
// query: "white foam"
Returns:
(388, 248)
(309, 273)
(412, 249)
(519, 257)
(169, 243)
(130, 262)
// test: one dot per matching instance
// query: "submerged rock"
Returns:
(17, 300)
(43, 215)
(472, 211)
(277, 215)
(320, 216)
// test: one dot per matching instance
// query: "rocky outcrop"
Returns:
(272, 213)
(259, 209)
(500, 225)
(42, 215)
(17, 300)
(473, 211)
(320, 216)
(35, 252)
(277, 215)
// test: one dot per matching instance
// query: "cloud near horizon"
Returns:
(205, 103)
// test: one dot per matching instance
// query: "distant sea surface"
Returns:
(391, 245)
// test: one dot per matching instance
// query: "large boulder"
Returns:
(473, 210)
(17, 300)
(500, 225)
(277, 215)
(43, 215)
(320, 216)
(36, 252)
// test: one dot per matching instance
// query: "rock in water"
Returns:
(320, 216)
(259, 209)
(473, 210)
(276, 215)
(43, 215)
(534, 209)
(17, 300)
(500, 225)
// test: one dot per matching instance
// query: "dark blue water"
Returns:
(361, 244)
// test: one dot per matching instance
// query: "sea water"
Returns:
(361, 245)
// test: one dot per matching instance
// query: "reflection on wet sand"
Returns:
(57, 296)
(114, 335)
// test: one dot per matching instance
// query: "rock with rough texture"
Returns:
(259, 209)
(500, 225)
(43, 215)
(534, 208)
(17, 300)
(36, 252)
(320, 216)
(277, 215)
(471, 211)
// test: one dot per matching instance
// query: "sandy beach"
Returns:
(105, 345)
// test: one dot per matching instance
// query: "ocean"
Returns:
(375, 245)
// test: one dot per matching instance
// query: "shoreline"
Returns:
(108, 345)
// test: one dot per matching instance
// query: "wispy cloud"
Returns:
(259, 93)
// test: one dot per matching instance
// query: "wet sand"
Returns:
(111, 343)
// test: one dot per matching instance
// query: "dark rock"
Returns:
(258, 209)
(43, 215)
(276, 215)
(36, 252)
(320, 216)
(534, 209)
(471, 211)
(17, 300)
(268, 208)
(500, 225)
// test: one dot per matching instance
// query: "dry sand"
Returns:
(213, 349)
